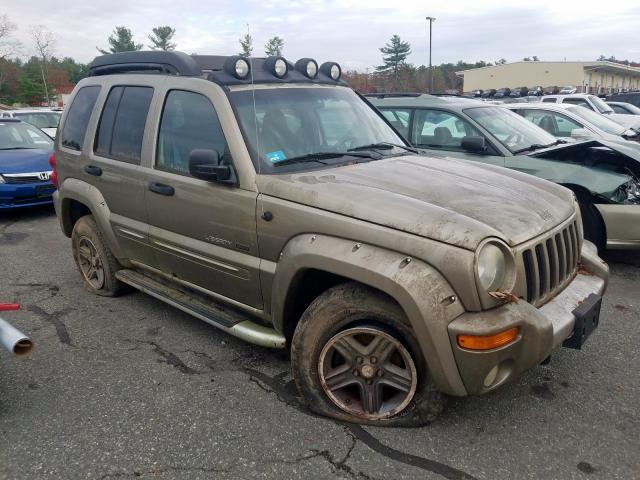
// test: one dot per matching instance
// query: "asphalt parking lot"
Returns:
(132, 388)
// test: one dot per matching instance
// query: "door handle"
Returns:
(93, 170)
(162, 189)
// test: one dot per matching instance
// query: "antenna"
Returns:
(255, 119)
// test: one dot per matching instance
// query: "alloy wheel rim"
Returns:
(367, 373)
(90, 263)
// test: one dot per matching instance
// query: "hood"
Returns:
(24, 161)
(629, 121)
(445, 199)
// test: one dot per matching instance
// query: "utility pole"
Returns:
(431, 20)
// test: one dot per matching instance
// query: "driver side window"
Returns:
(188, 122)
(441, 130)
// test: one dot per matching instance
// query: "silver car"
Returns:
(597, 105)
(565, 120)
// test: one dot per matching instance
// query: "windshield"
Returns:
(18, 135)
(510, 129)
(282, 124)
(600, 104)
(40, 119)
(598, 120)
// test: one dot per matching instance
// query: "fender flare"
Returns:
(88, 195)
(425, 296)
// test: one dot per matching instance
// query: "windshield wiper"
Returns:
(18, 148)
(537, 146)
(382, 146)
(319, 156)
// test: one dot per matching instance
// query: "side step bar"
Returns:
(235, 323)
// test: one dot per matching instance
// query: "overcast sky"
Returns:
(347, 31)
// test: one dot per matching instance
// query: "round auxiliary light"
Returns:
(331, 70)
(277, 66)
(238, 67)
(308, 67)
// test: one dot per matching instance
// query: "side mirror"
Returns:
(580, 133)
(205, 165)
(474, 144)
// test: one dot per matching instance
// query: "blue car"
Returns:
(25, 172)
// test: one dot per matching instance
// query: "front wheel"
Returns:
(592, 223)
(355, 358)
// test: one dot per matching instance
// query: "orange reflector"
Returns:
(482, 342)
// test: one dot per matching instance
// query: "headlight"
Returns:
(491, 267)
(1, 179)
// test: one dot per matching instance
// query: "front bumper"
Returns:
(541, 330)
(15, 195)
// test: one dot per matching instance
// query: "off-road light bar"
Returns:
(277, 66)
(308, 67)
(331, 70)
(238, 67)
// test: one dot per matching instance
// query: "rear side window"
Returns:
(75, 126)
(122, 124)
(549, 100)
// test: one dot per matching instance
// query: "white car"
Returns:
(45, 119)
(597, 105)
(624, 108)
(564, 120)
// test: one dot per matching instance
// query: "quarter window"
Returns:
(399, 119)
(75, 126)
(122, 124)
(189, 122)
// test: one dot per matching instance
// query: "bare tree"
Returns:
(45, 43)
(8, 46)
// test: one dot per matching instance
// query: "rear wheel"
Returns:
(355, 358)
(96, 263)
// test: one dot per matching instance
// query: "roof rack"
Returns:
(393, 94)
(172, 63)
(211, 67)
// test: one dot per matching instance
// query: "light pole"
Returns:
(431, 20)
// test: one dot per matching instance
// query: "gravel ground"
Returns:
(130, 387)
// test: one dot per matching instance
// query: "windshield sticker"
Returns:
(275, 157)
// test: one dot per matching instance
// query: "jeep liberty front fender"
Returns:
(422, 292)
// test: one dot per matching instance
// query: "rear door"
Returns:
(116, 159)
(202, 232)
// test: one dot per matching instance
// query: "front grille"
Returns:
(22, 178)
(549, 263)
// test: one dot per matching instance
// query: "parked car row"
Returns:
(603, 173)
(517, 92)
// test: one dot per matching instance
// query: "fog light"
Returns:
(308, 67)
(331, 70)
(491, 377)
(277, 66)
(237, 66)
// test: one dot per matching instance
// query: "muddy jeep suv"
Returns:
(271, 201)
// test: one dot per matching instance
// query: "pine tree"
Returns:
(121, 41)
(161, 38)
(274, 47)
(394, 54)
(246, 44)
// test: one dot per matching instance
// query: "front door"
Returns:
(202, 232)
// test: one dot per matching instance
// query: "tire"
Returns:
(353, 310)
(86, 237)
(592, 224)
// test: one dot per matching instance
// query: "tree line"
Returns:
(38, 79)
